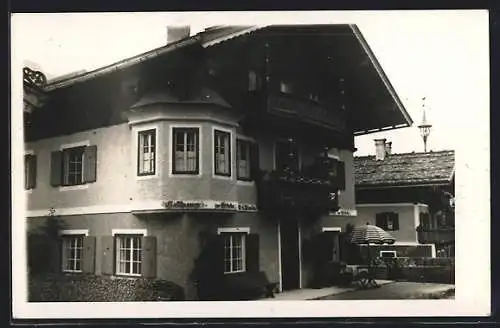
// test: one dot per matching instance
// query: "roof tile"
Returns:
(405, 169)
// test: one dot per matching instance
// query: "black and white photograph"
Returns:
(250, 164)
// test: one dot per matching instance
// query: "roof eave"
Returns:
(408, 120)
(122, 64)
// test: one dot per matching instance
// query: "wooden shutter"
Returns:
(252, 253)
(341, 175)
(395, 220)
(213, 257)
(56, 168)
(108, 256)
(90, 163)
(197, 138)
(254, 160)
(380, 220)
(32, 171)
(324, 247)
(149, 256)
(89, 254)
(57, 254)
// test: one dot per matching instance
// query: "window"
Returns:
(29, 171)
(146, 152)
(73, 166)
(72, 252)
(252, 81)
(425, 221)
(387, 254)
(243, 159)
(222, 153)
(285, 87)
(129, 254)
(186, 151)
(388, 221)
(234, 252)
(287, 155)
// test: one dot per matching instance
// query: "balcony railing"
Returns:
(305, 110)
(312, 191)
(436, 236)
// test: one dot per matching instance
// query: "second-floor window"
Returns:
(243, 159)
(146, 152)
(74, 166)
(222, 153)
(185, 151)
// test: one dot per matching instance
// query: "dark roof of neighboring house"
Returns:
(431, 168)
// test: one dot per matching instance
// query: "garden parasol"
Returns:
(370, 234)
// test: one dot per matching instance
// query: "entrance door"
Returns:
(290, 263)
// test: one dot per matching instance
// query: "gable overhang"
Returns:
(381, 108)
(376, 105)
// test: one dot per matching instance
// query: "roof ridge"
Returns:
(412, 153)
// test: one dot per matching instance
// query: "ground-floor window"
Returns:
(129, 254)
(72, 252)
(234, 252)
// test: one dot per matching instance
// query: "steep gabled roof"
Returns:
(407, 169)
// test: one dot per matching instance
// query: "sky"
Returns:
(423, 53)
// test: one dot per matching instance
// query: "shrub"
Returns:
(90, 288)
(436, 270)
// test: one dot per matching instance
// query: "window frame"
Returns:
(129, 261)
(140, 154)
(395, 253)
(65, 165)
(228, 152)
(72, 234)
(197, 134)
(242, 237)
(386, 217)
(248, 143)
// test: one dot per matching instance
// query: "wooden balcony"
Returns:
(436, 236)
(305, 110)
(302, 191)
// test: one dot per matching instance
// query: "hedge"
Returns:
(91, 288)
(436, 270)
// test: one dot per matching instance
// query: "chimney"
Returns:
(176, 33)
(388, 148)
(380, 149)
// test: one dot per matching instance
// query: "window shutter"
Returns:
(90, 163)
(56, 168)
(213, 257)
(254, 160)
(252, 252)
(395, 220)
(57, 262)
(380, 221)
(324, 247)
(32, 171)
(89, 254)
(341, 175)
(149, 257)
(108, 256)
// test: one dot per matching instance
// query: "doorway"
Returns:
(290, 253)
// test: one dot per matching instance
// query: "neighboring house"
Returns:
(214, 156)
(411, 196)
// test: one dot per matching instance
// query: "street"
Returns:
(399, 290)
